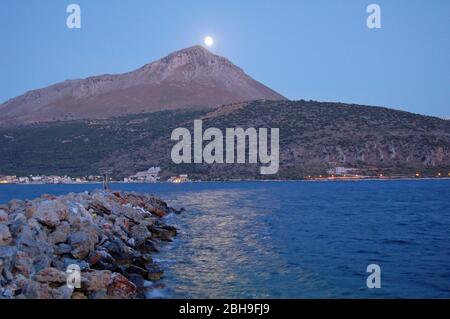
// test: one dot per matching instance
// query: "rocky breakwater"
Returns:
(109, 236)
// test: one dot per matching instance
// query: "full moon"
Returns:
(209, 41)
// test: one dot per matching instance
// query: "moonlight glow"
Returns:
(209, 41)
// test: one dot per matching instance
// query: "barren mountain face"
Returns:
(186, 78)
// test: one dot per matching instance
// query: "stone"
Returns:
(109, 237)
(17, 223)
(118, 250)
(16, 206)
(30, 244)
(23, 264)
(5, 235)
(133, 269)
(63, 249)
(60, 234)
(154, 272)
(51, 212)
(99, 207)
(81, 246)
(69, 261)
(34, 290)
(137, 280)
(96, 280)
(50, 275)
(41, 262)
(132, 214)
(100, 257)
(123, 223)
(162, 233)
(3, 216)
(6, 293)
(78, 295)
(139, 233)
(120, 287)
(7, 254)
(62, 292)
(158, 212)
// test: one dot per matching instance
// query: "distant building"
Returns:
(36, 178)
(340, 171)
(8, 179)
(149, 176)
(178, 179)
(24, 180)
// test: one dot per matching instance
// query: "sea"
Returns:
(302, 239)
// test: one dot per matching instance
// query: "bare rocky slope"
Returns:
(186, 78)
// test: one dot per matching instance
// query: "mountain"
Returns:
(314, 136)
(190, 77)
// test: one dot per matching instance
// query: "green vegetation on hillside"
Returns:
(314, 136)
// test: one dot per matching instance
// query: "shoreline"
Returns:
(108, 238)
(343, 179)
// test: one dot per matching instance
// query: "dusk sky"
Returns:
(320, 50)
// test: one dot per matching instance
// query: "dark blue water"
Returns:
(299, 239)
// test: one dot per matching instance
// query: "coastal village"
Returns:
(149, 176)
(152, 175)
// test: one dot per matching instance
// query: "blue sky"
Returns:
(319, 49)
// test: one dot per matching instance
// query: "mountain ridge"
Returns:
(186, 78)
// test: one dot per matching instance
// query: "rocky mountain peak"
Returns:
(189, 77)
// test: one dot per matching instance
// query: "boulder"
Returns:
(60, 234)
(23, 264)
(16, 206)
(51, 212)
(5, 235)
(96, 280)
(154, 272)
(51, 276)
(62, 249)
(139, 233)
(81, 244)
(41, 262)
(120, 287)
(3, 216)
(78, 295)
(80, 263)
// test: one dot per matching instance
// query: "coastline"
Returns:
(108, 237)
(324, 179)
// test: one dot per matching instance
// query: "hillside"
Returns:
(313, 137)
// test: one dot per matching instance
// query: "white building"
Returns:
(148, 176)
(340, 171)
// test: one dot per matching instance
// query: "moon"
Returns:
(209, 41)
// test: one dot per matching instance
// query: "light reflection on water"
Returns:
(231, 254)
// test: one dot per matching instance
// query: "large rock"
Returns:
(23, 264)
(50, 276)
(51, 212)
(81, 245)
(62, 249)
(96, 280)
(5, 235)
(120, 287)
(3, 216)
(61, 233)
(139, 233)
